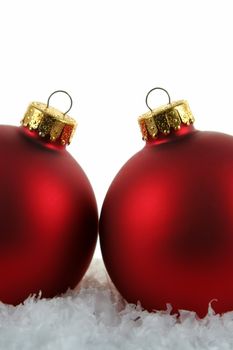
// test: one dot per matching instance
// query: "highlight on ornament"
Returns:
(166, 224)
(48, 211)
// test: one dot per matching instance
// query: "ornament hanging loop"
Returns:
(64, 92)
(157, 88)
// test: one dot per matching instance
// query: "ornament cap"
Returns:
(49, 123)
(164, 119)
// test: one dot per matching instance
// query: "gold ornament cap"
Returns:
(164, 119)
(50, 123)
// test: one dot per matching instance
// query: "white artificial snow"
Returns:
(96, 317)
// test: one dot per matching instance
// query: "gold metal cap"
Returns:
(164, 119)
(49, 122)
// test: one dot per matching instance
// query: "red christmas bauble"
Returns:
(166, 227)
(48, 212)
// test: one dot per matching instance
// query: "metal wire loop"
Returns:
(71, 101)
(157, 88)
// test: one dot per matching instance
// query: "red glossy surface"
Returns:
(48, 217)
(166, 227)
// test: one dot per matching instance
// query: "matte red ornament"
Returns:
(48, 212)
(166, 227)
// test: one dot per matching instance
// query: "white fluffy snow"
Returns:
(96, 317)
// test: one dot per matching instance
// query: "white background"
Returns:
(107, 55)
